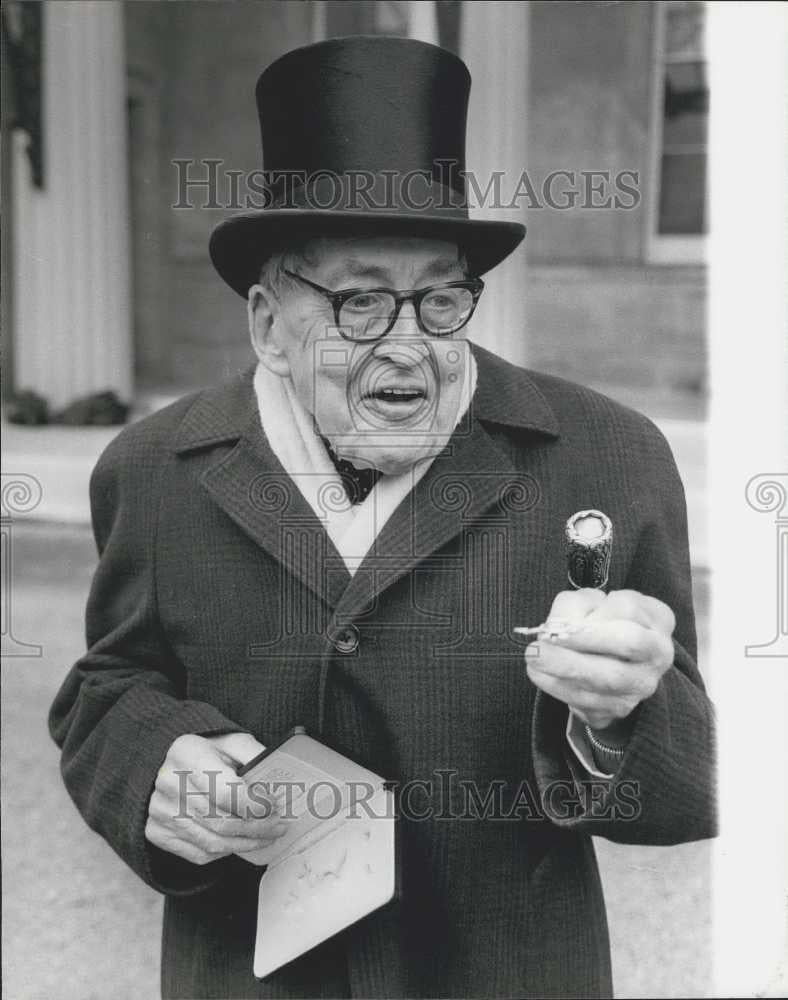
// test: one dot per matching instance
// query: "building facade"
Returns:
(592, 115)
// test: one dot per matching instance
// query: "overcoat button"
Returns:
(346, 639)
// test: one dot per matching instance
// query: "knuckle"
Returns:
(184, 747)
(226, 826)
(215, 846)
(196, 856)
(566, 603)
(631, 648)
(162, 783)
(592, 596)
(608, 684)
(626, 603)
(539, 654)
(541, 680)
(663, 615)
(178, 745)
(597, 719)
(667, 654)
(626, 705)
(587, 701)
(617, 709)
(583, 716)
(650, 685)
(204, 839)
(222, 826)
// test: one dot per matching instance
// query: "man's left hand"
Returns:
(614, 660)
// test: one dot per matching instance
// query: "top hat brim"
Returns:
(240, 245)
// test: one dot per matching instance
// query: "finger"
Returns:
(603, 675)
(213, 775)
(237, 747)
(175, 788)
(251, 822)
(228, 800)
(260, 847)
(631, 605)
(163, 838)
(184, 750)
(621, 640)
(571, 673)
(596, 720)
(574, 605)
(204, 837)
(252, 828)
(195, 757)
(261, 857)
(198, 753)
(203, 784)
(215, 836)
(586, 703)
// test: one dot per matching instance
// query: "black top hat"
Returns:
(361, 135)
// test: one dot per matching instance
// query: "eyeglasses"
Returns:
(367, 314)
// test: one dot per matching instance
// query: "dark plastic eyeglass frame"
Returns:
(415, 295)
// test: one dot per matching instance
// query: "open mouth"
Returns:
(396, 390)
(396, 395)
(394, 404)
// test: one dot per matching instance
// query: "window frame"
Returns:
(685, 248)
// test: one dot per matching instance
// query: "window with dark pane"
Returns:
(390, 17)
(366, 17)
(685, 111)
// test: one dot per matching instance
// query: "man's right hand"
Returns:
(200, 809)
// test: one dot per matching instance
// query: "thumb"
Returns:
(238, 747)
(574, 605)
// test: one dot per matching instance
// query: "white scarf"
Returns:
(295, 442)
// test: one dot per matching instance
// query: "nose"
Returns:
(407, 354)
(406, 324)
(404, 340)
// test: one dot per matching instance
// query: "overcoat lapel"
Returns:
(251, 486)
(469, 479)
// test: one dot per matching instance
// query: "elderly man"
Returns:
(346, 537)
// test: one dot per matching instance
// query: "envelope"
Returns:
(336, 864)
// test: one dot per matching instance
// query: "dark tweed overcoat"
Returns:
(219, 604)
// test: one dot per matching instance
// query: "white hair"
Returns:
(272, 273)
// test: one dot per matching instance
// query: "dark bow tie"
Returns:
(358, 483)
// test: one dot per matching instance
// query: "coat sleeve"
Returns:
(663, 791)
(122, 704)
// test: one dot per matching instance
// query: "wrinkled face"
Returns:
(385, 404)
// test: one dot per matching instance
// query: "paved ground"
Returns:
(77, 925)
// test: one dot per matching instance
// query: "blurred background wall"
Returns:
(614, 297)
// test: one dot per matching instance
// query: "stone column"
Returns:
(72, 326)
(494, 44)
(423, 21)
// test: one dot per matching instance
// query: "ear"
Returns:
(264, 319)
